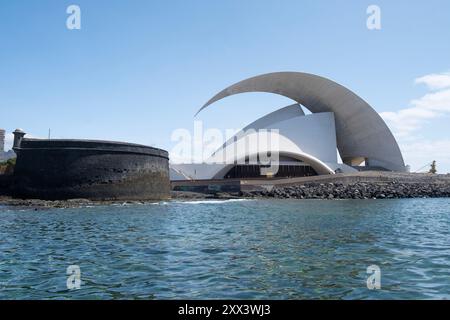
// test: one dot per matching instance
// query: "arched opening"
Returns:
(356, 161)
(284, 171)
(287, 161)
(287, 167)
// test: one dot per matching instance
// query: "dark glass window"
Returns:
(284, 171)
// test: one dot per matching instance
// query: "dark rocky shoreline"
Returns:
(329, 191)
(38, 204)
(360, 190)
(43, 204)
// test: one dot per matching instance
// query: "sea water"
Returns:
(244, 249)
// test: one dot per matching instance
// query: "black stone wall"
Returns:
(96, 170)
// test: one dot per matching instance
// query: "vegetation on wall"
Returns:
(7, 167)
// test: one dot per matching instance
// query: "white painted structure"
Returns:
(340, 120)
(310, 139)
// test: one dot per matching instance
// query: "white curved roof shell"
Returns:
(360, 131)
(310, 139)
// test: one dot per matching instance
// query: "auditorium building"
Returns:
(341, 133)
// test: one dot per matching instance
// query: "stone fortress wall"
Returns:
(89, 169)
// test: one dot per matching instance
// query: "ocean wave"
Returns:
(210, 201)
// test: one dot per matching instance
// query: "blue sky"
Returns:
(137, 70)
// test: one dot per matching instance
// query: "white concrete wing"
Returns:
(361, 133)
(288, 135)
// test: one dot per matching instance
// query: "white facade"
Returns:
(340, 121)
(308, 139)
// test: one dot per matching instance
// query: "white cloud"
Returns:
(430, 106)
(9, 138)
(436, 101)
(405, 122)
(435, 81)
(422, 152)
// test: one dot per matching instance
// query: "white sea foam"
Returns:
(211, 201)
(163, 203)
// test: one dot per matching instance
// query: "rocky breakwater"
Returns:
(358, 190)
